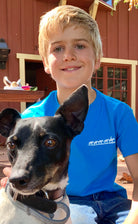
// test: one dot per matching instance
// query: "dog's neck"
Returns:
(38, 207)
(42, 201)
(55, 194)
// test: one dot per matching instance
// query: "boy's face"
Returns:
(71, 58)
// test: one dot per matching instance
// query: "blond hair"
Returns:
(63, 16)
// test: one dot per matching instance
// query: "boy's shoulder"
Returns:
(110, 102)
(117, 110)
(45, 107)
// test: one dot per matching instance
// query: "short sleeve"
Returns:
(127, 131)
(33, 111)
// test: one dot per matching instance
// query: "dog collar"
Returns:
(47, 218)
(55, 194)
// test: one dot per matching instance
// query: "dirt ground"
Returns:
(121, 178)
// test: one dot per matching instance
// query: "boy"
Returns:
(71, 48)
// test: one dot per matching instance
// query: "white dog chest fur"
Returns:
(10, 214)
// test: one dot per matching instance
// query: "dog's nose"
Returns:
(19, 182)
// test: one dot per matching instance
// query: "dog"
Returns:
(39, 150)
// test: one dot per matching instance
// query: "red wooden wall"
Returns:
(119, 32)
(19, 21)
(120, 35)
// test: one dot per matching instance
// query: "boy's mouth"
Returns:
(71, 69)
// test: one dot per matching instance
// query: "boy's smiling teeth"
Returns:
(71, 69)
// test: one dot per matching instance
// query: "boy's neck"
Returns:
(63, 94)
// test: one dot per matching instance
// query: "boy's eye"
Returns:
(58, 49)
(80, 46)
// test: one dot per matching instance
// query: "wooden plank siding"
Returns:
(19, 22)
(133, 34)
(137, 94)
(123, 31)
(119, 32)
(120, 35)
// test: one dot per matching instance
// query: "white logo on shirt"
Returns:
(107, 141)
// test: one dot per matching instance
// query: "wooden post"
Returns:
(62, 2)
(93, 9)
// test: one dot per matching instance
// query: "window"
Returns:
(114, 81)
(109, 2)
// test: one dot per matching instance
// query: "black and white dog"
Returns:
(39, 149)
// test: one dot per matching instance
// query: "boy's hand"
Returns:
(7, 172)
(132, 217)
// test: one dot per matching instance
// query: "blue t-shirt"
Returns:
(110, 124)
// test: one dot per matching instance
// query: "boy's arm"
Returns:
(132, 163)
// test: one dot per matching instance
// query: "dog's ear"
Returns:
(74, 110)
(8, 119)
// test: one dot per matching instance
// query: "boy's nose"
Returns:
(69, 55)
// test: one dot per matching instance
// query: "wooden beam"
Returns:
(32, 57)
(93, 9)
(62, 2)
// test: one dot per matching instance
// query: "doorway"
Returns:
(36, 76)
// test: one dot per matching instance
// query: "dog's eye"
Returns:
(50, 143)
(11, 145)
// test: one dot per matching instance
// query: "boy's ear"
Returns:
(46, 67)
(47, 70)
(8, 118)
(74, 110)
(97, 64)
